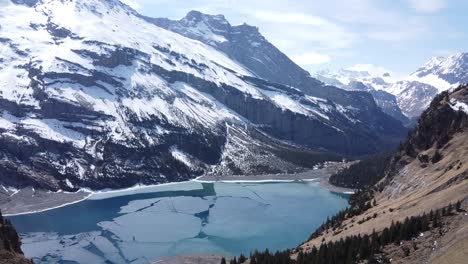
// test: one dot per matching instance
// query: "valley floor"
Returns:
(29, 200)
(321, 176)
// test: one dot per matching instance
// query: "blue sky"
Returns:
(399, 35)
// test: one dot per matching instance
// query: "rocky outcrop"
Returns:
(10, 244)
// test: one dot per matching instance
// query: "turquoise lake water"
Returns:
(191, 218)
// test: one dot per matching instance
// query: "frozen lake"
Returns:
(191, 218)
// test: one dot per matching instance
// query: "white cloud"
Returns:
(427, 6)
(310, 58)
(370, 68)
(348, 31)
(291, 18)
(297, 30)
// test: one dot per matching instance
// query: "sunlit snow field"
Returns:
(188, 218)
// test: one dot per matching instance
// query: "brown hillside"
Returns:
(429, 171)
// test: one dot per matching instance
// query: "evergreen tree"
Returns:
(223, 261)
(242, 259)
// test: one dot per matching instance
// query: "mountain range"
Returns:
(93, 94)
(410, 95)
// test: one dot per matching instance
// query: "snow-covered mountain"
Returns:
(414, 92)
(93, 94)
(373, 78)
(377, 83)
(439, 74)
(443, 72)
(244, 43)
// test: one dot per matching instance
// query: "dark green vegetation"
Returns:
(358, 204)
(364, 173)
(369, 247)
(358, 248)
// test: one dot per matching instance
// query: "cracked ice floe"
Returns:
(50, 247)
(183, 205)
(236, 190)
(153, 226)
(227, 212)
(108, 249)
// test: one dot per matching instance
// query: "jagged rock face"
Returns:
(414, 97)
(243, 43)
(93, 95)
(389, 104)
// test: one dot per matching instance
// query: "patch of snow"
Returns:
(434, 81)
(69, 184)
(457, 105)
(181, 156)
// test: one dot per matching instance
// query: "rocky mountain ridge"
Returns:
(413, 93)
(245, 44)
(93, 95)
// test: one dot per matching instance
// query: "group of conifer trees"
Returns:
(357, 248)
(359, 202)
(8, 236)
(366, 172)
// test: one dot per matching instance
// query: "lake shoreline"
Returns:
(31, 201)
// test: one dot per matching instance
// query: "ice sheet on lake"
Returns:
(240, 218)
(52, 248)
(236, 190)
(183, 204)
(182, 186)
(153, 227)
(236, 217)
(108, 249)
(192, 247)
(144, 252)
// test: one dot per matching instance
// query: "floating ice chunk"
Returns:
(153, 227)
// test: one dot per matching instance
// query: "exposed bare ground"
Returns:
(30, 200)
(416, 189)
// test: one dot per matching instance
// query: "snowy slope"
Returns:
(243, 43)
(439, 74)
(444, 72)
(414, 92)
(377, 79)
(92, 94)
(377, 83)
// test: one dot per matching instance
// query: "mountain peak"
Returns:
(444, 72)
(194, 17)
(244, 27)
